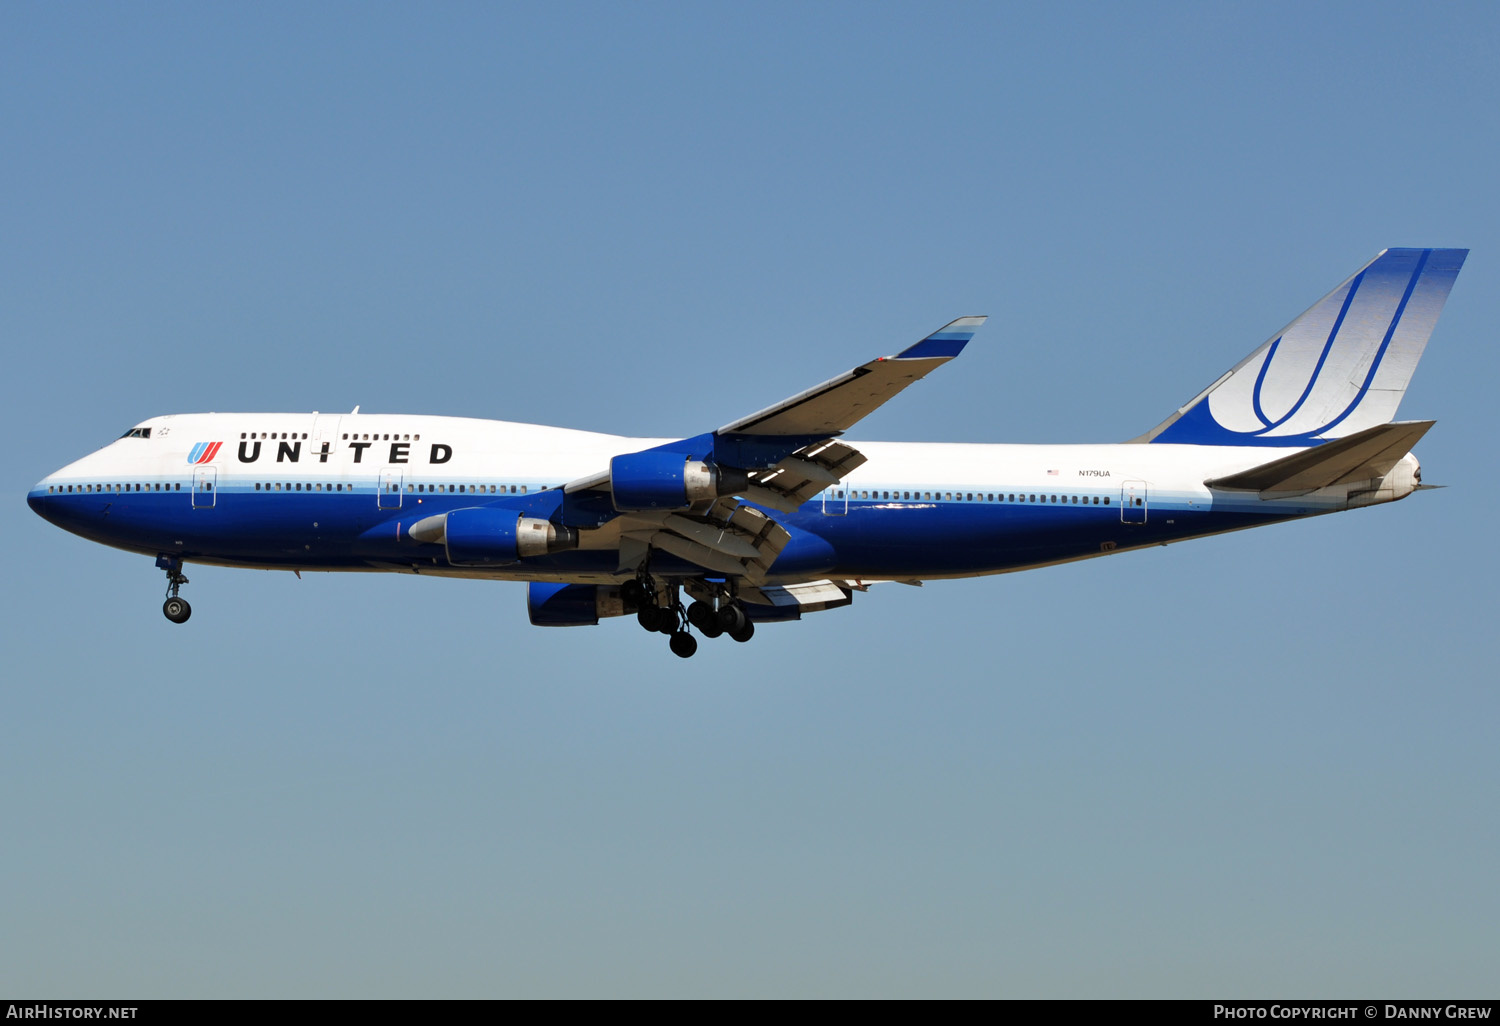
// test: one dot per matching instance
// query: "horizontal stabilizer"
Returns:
(1365, 455)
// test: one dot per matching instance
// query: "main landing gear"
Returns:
(659, 610)
(175, 609)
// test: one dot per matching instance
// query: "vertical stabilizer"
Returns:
(1340, 368)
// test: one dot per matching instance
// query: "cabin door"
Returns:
(836, 499)
(1133, 502)
(205, 485)
(390, 488)
(325, 436)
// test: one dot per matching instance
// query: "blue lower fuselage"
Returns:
(863, 539)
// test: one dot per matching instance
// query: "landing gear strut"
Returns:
(175, 609)
(658, 609)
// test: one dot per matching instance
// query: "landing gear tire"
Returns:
(731, 619)
(634, 593)
(702, 616)
(654, 618)
(176, 609)
(745, 632)
(683, 644)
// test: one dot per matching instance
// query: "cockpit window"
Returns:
(137, 433)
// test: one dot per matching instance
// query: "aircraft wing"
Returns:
(729, 538)
(839, 403)
(790, 444)
(779, 458)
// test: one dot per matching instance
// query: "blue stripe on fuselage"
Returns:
(875, 538)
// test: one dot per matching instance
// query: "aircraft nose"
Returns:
(37, 499)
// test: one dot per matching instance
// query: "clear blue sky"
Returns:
(1256, 765)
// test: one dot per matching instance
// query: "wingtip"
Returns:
(945, 343)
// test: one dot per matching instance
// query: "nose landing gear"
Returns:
(175, 609)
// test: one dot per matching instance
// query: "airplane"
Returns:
(774, 515)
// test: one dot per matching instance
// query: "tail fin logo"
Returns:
(1341, 367)
(204, 452)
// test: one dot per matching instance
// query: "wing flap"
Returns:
(807, 596)
(729, 538)
(1362, 456)
(803, 474)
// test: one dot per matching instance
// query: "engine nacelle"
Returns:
(666, 480)
(487, 536)
(571, 605)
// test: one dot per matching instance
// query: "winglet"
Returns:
(945, 343)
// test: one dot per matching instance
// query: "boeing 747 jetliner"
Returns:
(774, 515)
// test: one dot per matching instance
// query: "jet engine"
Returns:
(486, 536)
(571, 605)
(667, 480)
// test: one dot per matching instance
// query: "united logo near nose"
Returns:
(204, 452)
